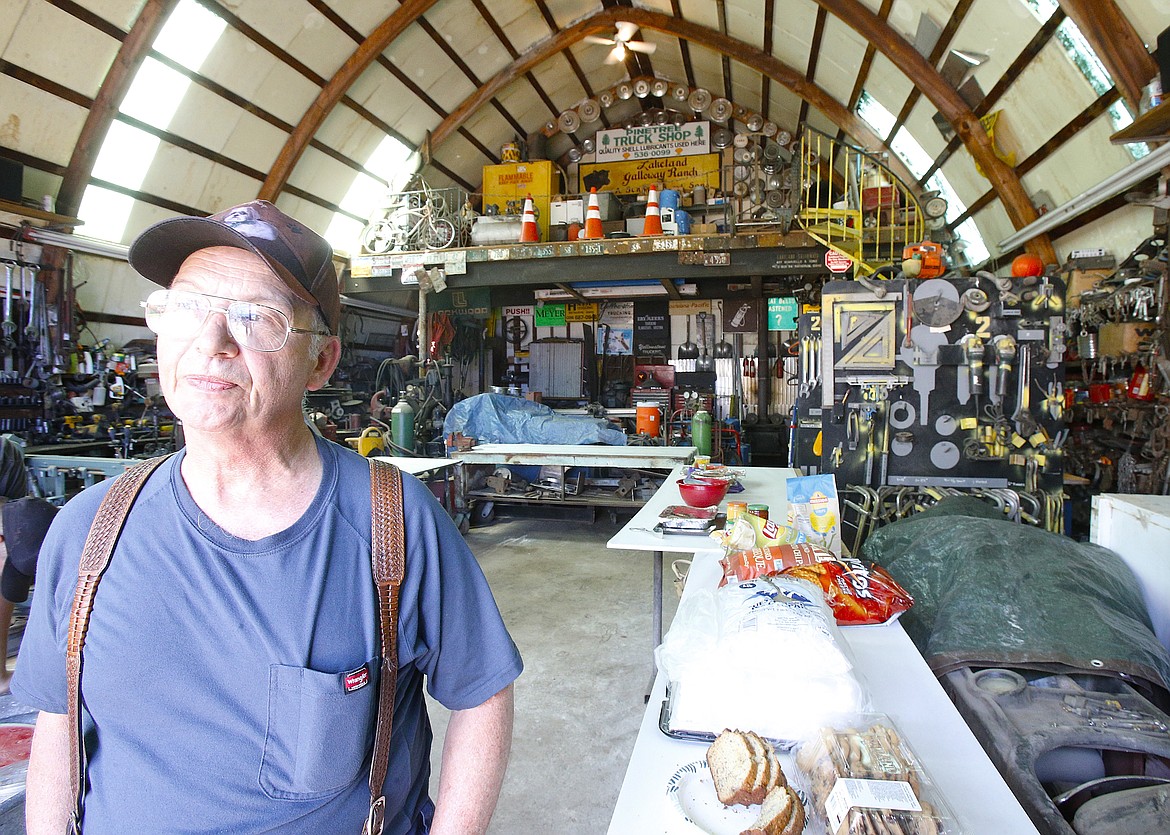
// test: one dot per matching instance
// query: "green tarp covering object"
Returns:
(992, 593)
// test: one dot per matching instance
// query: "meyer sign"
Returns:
(654, 141)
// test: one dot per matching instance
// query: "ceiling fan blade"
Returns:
(626, 30)
(616, 55)
(644, 47)
(596, 39)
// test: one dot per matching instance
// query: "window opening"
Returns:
(919, 162)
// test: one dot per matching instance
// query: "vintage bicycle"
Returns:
(414, 220)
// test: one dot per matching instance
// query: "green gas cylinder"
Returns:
(402, 427)
(701, 431)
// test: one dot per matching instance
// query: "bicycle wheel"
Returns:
(379, 237)
(440, 235)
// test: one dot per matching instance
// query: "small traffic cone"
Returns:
(593, 228)
(529, 231)
(653, 225)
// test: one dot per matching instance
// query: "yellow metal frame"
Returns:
(834, 177)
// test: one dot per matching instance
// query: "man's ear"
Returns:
(325, 363)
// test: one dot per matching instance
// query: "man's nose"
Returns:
(214, 336)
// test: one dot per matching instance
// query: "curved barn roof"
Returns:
(126, 111)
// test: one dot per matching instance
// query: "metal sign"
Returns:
(782, 313)
(654, 141)
(581, 312)
(549, 316)
(651, 328)
(836, 262)
(637, 176)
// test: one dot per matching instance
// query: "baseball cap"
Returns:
(26, 521)
(300, 257)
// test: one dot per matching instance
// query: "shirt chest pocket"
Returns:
(319, 735)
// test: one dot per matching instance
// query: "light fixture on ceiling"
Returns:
(78, 243)
(1111, 186)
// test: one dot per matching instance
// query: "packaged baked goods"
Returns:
(864, 780)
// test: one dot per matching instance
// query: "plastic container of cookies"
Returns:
(865, 780)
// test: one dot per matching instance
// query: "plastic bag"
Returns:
(858, 592)
(765, 655)
(813, 509)
(750, 563)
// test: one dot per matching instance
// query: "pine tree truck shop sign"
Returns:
(654, 141)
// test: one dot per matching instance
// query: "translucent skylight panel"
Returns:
(1085, 59)
(394, 162)
(105, 213)
(154, 95)
(189, 34)
(919, 162)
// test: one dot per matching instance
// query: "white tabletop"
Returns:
(766, 485)
(578, 455)
(417, 466)
(900, 684)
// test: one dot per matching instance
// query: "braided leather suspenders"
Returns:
(95, 557)
(388, 562)
(388, 555)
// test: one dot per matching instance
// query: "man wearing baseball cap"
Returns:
(230, 668)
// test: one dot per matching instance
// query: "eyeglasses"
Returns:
(182, 313)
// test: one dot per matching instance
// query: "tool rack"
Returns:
(952, 382)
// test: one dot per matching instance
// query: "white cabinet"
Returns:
(1137, 527)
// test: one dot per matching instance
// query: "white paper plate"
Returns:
(693, 794)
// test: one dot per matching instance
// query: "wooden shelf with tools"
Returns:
(1151, 126)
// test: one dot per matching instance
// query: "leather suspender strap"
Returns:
(388, 564)
(95, 557)
(388, 557)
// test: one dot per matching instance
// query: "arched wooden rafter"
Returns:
(133, 51)
(967, 126)
(1116, 43)
(746, 54)
(950, 104)
(357, 63)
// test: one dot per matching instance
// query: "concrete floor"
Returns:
(581, 616)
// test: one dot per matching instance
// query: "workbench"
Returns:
(562, 457)
(900, 684)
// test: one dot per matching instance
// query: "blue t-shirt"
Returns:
(216, 668)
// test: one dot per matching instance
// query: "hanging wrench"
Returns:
(8, 327)
(31, 330)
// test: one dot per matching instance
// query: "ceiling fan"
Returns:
(621, 42)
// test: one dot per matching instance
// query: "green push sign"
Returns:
(782, 313)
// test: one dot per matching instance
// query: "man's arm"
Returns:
(475, 755)
(48, 803)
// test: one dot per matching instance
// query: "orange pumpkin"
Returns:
(1027, 264)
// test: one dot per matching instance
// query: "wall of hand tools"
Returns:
(942, 383)
(1119, 374)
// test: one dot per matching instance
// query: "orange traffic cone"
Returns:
(529, 231)
(593, 228)
(653, 224)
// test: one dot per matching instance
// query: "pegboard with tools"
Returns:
(947, 382)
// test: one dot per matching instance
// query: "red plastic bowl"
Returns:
(702, 495)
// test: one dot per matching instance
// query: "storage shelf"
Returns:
(1151, 126)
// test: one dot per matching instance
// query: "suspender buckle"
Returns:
(375, 818)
